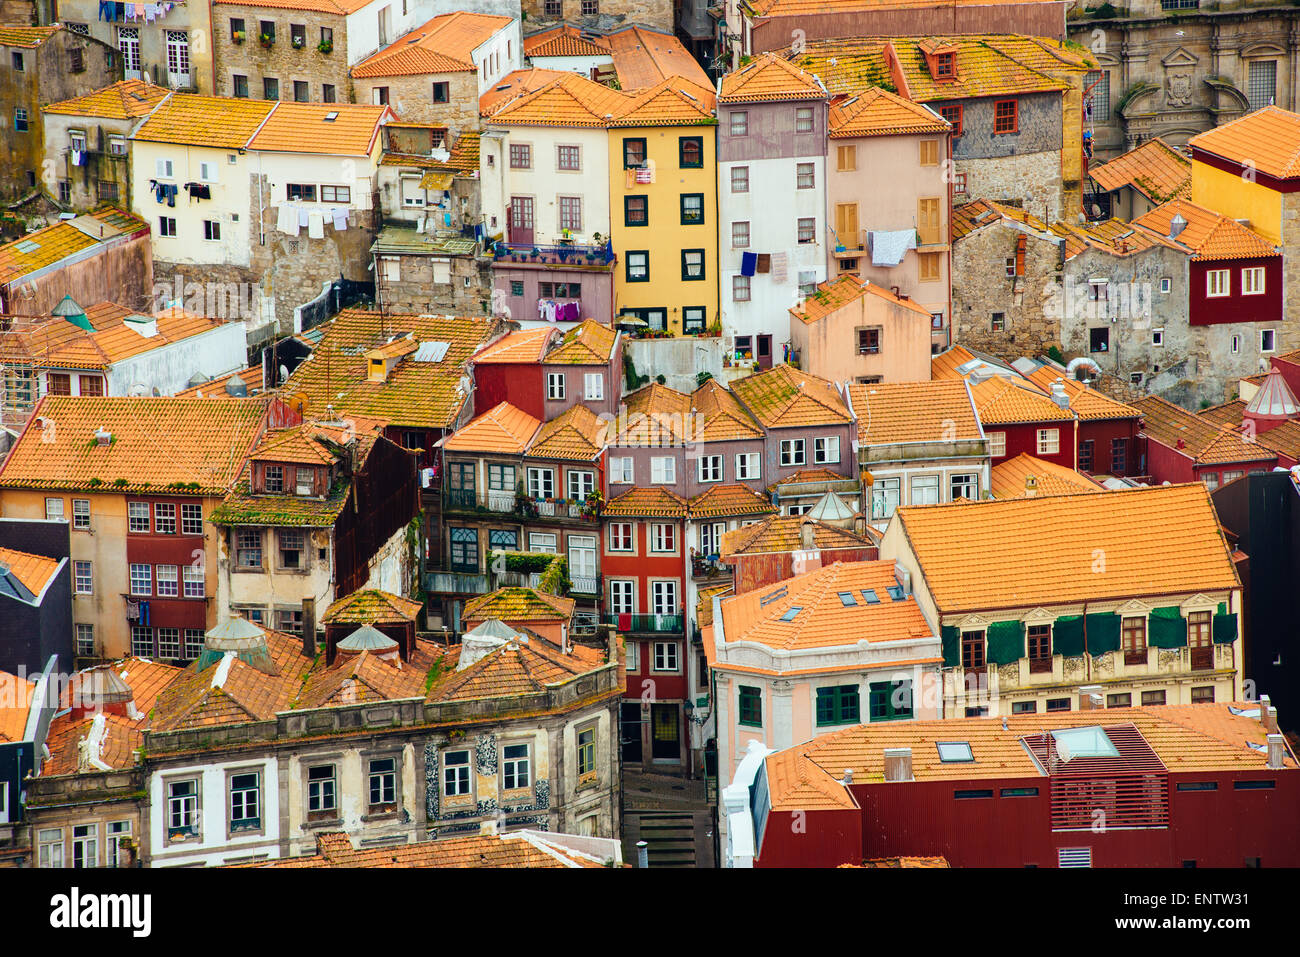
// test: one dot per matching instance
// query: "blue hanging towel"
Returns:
(446, 219)
(748, 263)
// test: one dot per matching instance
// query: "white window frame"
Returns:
(743, 462)
(710, 468)
(555, 386)
(997, 443)
(1048, 441)
(145, 576)
(663, 470)
(54, 509)
(581, 482)
(792, 453)
(620, 588)
(49, 847)
(667, 658)
(193, 582)
(1249, 286)
(457, 779)
(541, 482)
(826, 450)
(665, 587)
(537, 542)
(632, 657)
(622, 470)
(661, 534)
(139, 512)
(614, 543)
(923, 490)
(78, 578)
(1218, 283)
(81, 513)
(167, 581)
(593, 386)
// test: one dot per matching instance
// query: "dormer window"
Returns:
(275, 478)
(944, 66)
(306, 481)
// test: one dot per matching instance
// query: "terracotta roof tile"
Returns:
(790, 8)
(673, 101)
(643, 57)
(1155, 169)
(1090, 404)
(371, 606)
(47, 246)
(565, 100)
(518, 604)
(979, 213)
(444, 44)
(517, 668)
(307, 128)
(588, 343)
(417, 393)
(12, 35)
(648, 503)
(1268, 139)
(831, 296)
(15, 705)
(221, 122)
(656, 415)
(770, 78)
(1000, 400)
(721, 416)
(1203, 441)
(577, 434)
(1010, 477)
(216, 388)
(729, 500)
(33, 571)
(123, 100)
(502, 428)
(479, 851)
(565, 40)
(1197, 737)
(877, 112)
(1283, 438)
(782, 533)
(783, 397)
(190, 446)
(515, 84)
(1226, 413)
(893, 412)
(525, 347)
(1207, 235)
(814, 476)
(808, 611)
(1189, 555)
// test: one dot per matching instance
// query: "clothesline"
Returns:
(290, 218)
(112, 12)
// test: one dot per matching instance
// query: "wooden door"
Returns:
(521, 220)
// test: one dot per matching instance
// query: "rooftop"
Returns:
(370, 607)
(123, 100)
(768, 78)
(49, 246)
(877, 112)
(1188, 556)
(1011, 478)
(1001, 400)
(32, 572)
(444, 44)
(729, 500)
(184, 446)
(1207, 235)
(525, 347)
(1155, 169)
(503, 429)
(518, 604)
(1268, 140)
(1087, 402)
(577, 434)
(513, 850)
(783, 397)
(895, 412)
(1204, 441)
(336, 129)
(647, 503)
(833, 295)
(588, 343)
(783, 533)
(219, 122)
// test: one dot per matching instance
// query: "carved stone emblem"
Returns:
(1179, 92)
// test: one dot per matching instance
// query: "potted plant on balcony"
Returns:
(525, 507)
(298, 42)
(593, 503)
(266, 40)
(325, 46)
(237, 37)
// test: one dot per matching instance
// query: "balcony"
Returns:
(566, 255)
(646, 624)
(506, 502)
(1202, 659)
(456, 583)
(584, 584)
(708, 567)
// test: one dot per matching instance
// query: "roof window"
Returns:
(954, 751)
(791, 612)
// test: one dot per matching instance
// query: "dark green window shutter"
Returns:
(1006, 642)
(1103, 633)
(1225, 628)
(1167, 628)
(951, 638)
(1067, 636)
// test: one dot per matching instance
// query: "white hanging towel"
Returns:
(889, 247)
(287, 220)
(302, 217)
(315, 225)
(340, 217)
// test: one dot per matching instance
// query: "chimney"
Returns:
(860, 525)
(1276, 750)
(1264, 704)
(848, 777)
(1058, 394)
(898, 764)
(1090, 698)
(1031, 486)
(102, 436)
(309, 627)
(806, 530)
(904, 579)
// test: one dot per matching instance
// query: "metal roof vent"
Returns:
(236, 386)
(1176, 225)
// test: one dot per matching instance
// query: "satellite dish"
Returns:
(284, 372)
(139, 389)
(298, 403)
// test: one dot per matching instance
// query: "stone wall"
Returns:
(611, 15)
(411, 98)
(1028, 180)
(981, 288)
(416, 293)
(282, 61)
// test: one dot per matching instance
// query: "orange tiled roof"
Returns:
(33, 571)
(721, 416)
(1268, 139)
(313, 6)
(820, 617)
(782, 397)
(1084, 400)
(12, 35)
(782, 533)
(1115, 237)
(643, 57)
(517, 668)
(588, 343)
(216, 388)
(1155, 169)
(565, 40)
(1010, 477)
(417, 393)
(577, 434)
(221, 122)
(354, 679)
(892, 412)
(877, 112)
(47, 246)
(444, 44)
(518, 604)
(1196, 737)
(979, 213)
(1204, 441)
(814, 476)
(1226, 413)
(15, 705)
(729, 500)
(657, 415)
(1207, 235)
(502, 429)
(307, 128)
(1283, 438)
(833, 295)
(123, 100)
(1002, 401)
(1189, 555)
(371, 606)
(525, 347)
(478, 851)
(769, 78)
(515, 84)
(184, 446)
(673, 101)
(566, 100)
(648, 503)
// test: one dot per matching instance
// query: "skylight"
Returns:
(952, 751)
(331, 116)
(895, 592)
(1244, 712)
(434, 351)
(773, 596)
(870, 597)
(1090, 742)
(791, 612)
(27, 246)
(847, 599)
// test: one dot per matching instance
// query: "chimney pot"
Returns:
(848, 775)
(806, 530)
(309, 627)
(898, 764)
(1276, 750)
